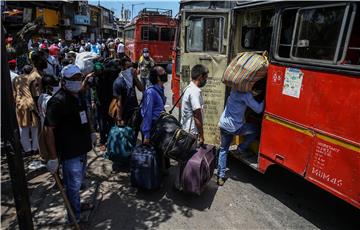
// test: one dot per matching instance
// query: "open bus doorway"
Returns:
(252, 33)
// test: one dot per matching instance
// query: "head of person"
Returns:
(38, 59)
(12, 64)
(98, 69)
(49, 84)
(199, 75)
(158, 75)
(71, 78)
(27, 69)
(146, 53)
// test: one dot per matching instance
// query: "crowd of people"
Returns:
(60, 108)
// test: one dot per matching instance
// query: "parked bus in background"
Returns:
(153, 29)
(311, 121)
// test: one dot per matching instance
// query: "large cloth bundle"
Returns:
(85, 61)
(245, 70)
(120, 144)
(172, 141)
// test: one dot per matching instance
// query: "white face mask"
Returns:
(146, 54)
(73, 86)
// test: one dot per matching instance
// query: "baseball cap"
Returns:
(145, 50)
(70, 70)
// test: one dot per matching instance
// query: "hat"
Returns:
(12, 62)
(70, 70)
(145, 50)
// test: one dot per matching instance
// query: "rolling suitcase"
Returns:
(145, 168)
(198, 170)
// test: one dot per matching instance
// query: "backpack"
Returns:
(121, 142)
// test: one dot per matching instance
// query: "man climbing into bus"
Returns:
(232, 123)
(145, 65)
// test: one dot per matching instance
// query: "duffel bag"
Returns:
(163, 131)
(120, 144)
(245, 70)
(198, 170)
(182, 145)
(145, 168)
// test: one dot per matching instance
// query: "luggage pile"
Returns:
(196, 165)
(245, 70)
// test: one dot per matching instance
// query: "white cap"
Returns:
(70, 70)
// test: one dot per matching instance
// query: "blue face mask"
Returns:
(73, 86)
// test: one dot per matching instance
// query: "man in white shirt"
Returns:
(193, 104)
(121, 50)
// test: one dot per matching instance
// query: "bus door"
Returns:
(204, 40)
(252, 32)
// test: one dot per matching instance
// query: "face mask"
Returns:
(55, 89)
(73, 86)
(164, 77)
(146, 54)
(202, 82)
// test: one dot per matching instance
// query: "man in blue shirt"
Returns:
(154, 101)
(232, 123)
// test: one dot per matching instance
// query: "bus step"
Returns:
(249, 159)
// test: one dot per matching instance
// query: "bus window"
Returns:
(129, 34)
(167, 34)
(205, 34)
(317, 33)
(353, 50)
(149, 33)
(287, 27)
(256, 29)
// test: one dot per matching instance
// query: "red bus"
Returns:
(311, 122)
(153, 29)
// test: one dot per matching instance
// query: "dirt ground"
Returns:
(248, 200)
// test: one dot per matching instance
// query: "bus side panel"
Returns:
(286, 146)
(335, 108)
(336, 168)
(284, 106)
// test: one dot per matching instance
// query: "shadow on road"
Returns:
(309, 201)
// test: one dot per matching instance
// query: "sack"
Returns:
(120, 144)
(113, 108)
(198, 170)
(145, 168)
(85, 61)
(244, 70)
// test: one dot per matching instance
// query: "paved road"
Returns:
(248, 200)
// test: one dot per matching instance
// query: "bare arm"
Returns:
(120, 111)
(50, 142)
(199, 124)
(138, 84)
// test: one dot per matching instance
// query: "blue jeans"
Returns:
(248, 130)
(74, 171)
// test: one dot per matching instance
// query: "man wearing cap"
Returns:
(145, 65)
(68, 133)
(12, 67)
(120, 49)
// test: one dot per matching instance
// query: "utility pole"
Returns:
(132, 8)
(11, 142)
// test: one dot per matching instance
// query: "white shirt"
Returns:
(42, 104)
(13, 75)
(191, 101)
(52, 63)
(121, 48)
